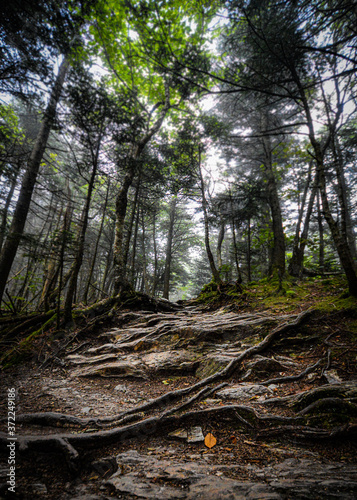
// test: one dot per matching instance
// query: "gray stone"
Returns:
(143, 489)
(195, 435)
(120, 388)
(332, 377)
(243, 390)
(192, 435)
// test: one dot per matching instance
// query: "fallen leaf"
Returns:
(233, 439)
(166, 382)
(210, 440)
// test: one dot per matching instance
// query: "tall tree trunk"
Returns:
(131, 221)
(94, 258)
(170, 236)
(340, 241)
(54, 261)
(219, 244)
(321, 235)
(133, 255)
(215, 272)
(236, 259)
(78, 259)
(338, 237)
(297, 261)
(121, 282)
(277, 262)
(346, 221)
(249, 252)
(143, 243)
(155, 279)
(5, 210)
(108, 263)
(10, 247)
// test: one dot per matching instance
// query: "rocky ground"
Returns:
(190, 404)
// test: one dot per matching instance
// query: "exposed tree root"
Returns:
(293, 378)
(348, 431)
(116, 429)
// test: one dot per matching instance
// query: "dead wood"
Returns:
(26, 325)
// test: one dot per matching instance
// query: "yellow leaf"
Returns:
(210, 440)
(166, 382)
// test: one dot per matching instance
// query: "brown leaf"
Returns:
(210, 440)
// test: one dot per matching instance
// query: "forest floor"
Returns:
(250, 396)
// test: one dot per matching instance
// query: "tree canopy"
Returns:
(153, 146)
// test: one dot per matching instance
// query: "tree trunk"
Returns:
(236, 259)
(5, 210)
(297, 261)
(249, 252)
(94, 258)
(54, 261)
(277, 263)
(133, 256)
(155, 279)
(215, 272)
(10, 247)
(321, 235)
(168, 258)
(131, 221)
(145, 277)
(121, 282)
(340, 241)
(78, 259)
(219, 244)
(346, 221)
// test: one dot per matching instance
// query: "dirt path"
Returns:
(126, 415)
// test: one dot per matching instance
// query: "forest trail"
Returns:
(130, 413)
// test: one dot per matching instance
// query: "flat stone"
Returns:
(179, 434)
(128, 368)
(243, 390)
(195, 435)
(143, 489)
(192, 435)
(180, 361)
(222, 488)
(148, 477)
(332, 377)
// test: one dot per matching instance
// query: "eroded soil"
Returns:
(271, 442)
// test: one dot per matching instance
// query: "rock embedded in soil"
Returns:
(192, 435)
(243, 390)
(148, 477)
